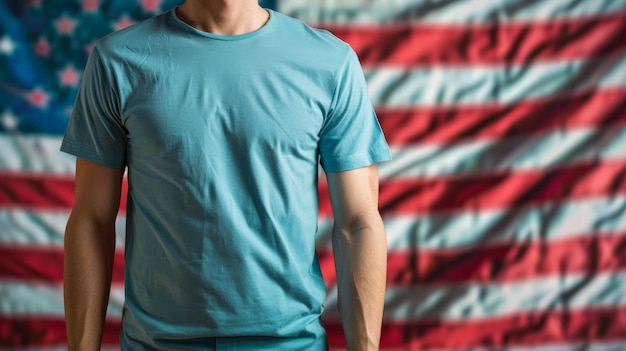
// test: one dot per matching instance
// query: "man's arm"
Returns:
(360, 251)
(89, 249)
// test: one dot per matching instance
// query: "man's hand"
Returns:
(360, 251)
(89, 249)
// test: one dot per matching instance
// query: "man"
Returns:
(220, 111)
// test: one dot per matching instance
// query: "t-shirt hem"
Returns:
(88, 153)
(355, 161)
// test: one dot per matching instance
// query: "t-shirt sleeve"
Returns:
(95, 131)
(351, 136)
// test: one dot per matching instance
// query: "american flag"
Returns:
(505, 204)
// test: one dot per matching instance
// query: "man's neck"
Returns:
(223, 17)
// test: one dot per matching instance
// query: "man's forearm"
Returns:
(88, 264)
(361, 263)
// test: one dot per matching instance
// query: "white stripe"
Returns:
(547, 222)
(451, 302)
(461, 302)
(389, 86)
(523, 152)
(442, 12)
(515, 153)
(34, 153)
(32, 227)
(430, 232)
(32, 298)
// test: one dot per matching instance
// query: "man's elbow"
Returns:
(366, 225)
(86, 223)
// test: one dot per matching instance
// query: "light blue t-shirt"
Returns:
(221, 136)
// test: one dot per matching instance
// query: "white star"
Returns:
(38, 97)
(42, 47)
(7, 45)
(9, 120)
(65, 25)
(90, 5)
(151, 5)
(69, 76)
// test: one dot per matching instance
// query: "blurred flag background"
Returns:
(505, 204)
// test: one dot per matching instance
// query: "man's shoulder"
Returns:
(132, 35)
(303, 35)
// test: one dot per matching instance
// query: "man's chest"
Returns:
(228, 104)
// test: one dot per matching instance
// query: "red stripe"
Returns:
(524, 329)
(590, 253)
(46, 331)
(518, 330)
(401, 196)
(451, 124)
(18, 189)
(504, 189)
(491, 43)
(43, 263)
(41, 191)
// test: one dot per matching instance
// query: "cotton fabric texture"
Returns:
(222, 136)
